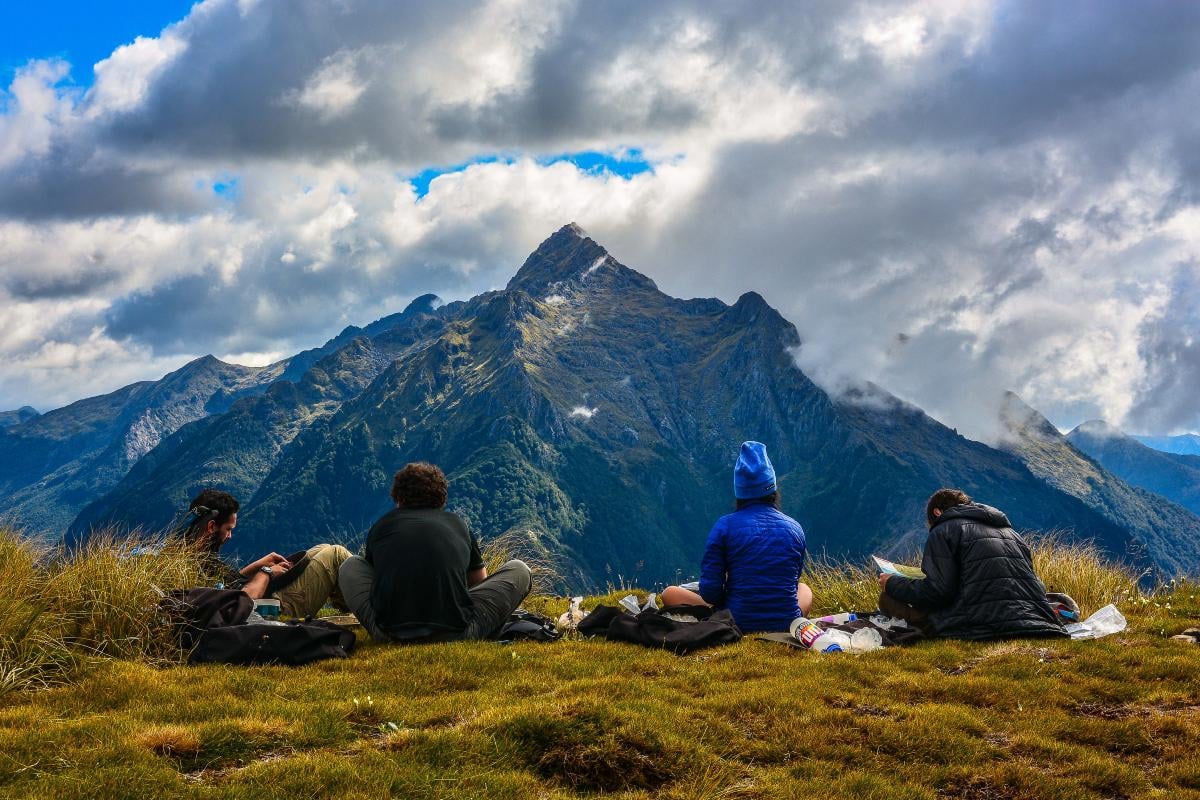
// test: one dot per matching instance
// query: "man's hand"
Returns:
(883, 579)
(272, 560)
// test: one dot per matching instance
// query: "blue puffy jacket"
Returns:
(752, 564)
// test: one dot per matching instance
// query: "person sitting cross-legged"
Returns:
(754, 557)
(979, 581)
(421, 576)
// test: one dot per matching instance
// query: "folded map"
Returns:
(890, 568)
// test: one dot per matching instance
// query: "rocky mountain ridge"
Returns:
(598, 419)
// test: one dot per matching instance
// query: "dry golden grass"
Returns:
(59, 610)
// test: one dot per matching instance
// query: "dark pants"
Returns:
(493, 600)
(913, 616)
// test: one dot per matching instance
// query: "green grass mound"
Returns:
(1114, 718)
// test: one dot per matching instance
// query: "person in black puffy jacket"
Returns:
(979, 580)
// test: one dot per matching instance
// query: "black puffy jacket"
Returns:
(979, 581)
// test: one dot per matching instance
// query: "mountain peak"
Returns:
(425, 304)
(570, 255)
(1097, 428)
(22, 414)
(1022, 420)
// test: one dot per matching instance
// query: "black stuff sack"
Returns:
(525, 625)
(191, 612)
(680, 629)
(290, 643)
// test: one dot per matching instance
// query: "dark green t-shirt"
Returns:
(421, 559)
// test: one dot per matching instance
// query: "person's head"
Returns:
(753, 475)
(941, 500)
(214, 516)
(420, 485)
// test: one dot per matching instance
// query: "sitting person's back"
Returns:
(754, 556)
(421, 577)
(752, 566)
(979, 579)
(422, 591)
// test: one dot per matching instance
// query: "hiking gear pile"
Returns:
(219, 626)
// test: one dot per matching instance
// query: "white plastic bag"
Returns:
(1105, 621)
(864, 640)
(629, 603)
(651, 603)
(571, 618)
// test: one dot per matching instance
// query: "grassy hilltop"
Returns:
(92, 705)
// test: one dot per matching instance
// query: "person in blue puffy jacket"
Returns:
(754, 556)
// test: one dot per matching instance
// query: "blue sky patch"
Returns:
(226, 188)
(79, 31)
(623, 164)
(626, 164)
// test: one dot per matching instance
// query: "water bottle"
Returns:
(839, 619)
(811, 636)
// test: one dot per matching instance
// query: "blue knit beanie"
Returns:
(753, 476)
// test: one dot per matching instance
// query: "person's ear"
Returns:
(937, 512)
(211, 527)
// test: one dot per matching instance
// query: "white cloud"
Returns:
(32, 110)
(334, 88)
(123, 78)
(976, 188)
(583, 412)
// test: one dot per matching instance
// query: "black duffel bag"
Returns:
(662, 628)
(292, 643)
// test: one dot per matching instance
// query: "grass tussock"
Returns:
(60, 611)
(1084, 572)
(526, 546)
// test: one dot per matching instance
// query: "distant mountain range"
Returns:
(1175, 477)
(579, 407)
(1187, 444)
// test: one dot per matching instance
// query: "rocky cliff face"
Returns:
(600, 418)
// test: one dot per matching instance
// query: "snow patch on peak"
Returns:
(555, 300)
(599, 262)
(583, 412)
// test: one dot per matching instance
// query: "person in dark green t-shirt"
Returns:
(421, 576)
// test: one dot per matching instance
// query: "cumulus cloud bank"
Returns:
(950, 199)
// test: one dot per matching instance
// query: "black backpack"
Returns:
(657, 628)
(211, 623)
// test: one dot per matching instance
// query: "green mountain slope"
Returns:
(599, 418)
(1161, 533)
(20, 415)
(238, 448)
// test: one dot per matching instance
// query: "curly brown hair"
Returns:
(943, 499)
(420, 485)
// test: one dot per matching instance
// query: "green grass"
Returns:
(1112, 718)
